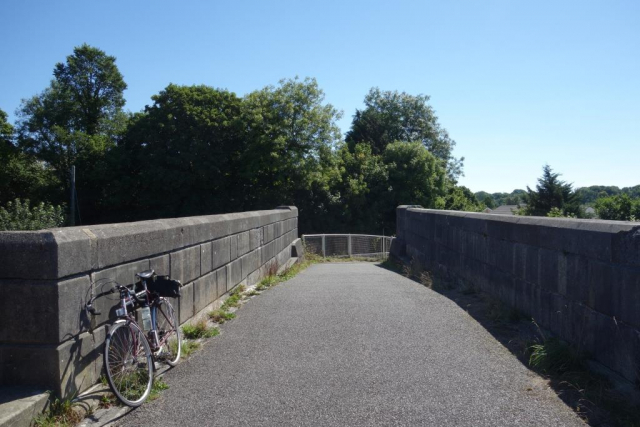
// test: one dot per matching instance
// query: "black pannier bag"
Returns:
(165, 286)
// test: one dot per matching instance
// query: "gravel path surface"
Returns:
(353, 345)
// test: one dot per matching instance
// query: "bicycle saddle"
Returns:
(146, 274)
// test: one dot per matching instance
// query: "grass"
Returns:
(555, 357)
(189, 347)
(107, 401)
(267, 282)
(199, 330)
(566, 366)
(220, 316)
(59, 414)
(158, 386)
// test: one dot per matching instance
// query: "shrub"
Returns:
(19, 215)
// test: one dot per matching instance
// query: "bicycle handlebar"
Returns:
(91, 309)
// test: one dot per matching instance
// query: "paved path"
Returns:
(353, 345)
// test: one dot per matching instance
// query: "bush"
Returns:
(19, 215)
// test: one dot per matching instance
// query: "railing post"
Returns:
(324, 250)
(349, 245)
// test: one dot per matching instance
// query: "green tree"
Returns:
(551, 192)
(372, 186)
(489, 202)
(459, 198)
(390, 116)
(620, 207)
(291, 132)
(77, 119)
(181, 156)
(290, 159)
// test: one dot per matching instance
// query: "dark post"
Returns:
(72, 207)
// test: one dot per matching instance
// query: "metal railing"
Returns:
(348, 245)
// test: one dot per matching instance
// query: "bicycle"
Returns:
(130, 353)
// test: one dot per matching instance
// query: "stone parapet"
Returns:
(579, 279)
(47, 276)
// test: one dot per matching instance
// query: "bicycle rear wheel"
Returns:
(128, 362)
(168, 333)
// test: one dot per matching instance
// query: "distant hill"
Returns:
(588, 195)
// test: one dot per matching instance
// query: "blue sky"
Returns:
(516, 83)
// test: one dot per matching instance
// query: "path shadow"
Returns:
(517, 333)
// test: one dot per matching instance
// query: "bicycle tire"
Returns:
(168, 333)
(128, 362)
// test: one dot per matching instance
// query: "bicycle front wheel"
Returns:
(168, 333)
(127, 359)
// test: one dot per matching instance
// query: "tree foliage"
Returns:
(200, 150)
(76, 120)
(21, 174)
(620, 207)
(551, 192)
(391, 116)
(179, 157)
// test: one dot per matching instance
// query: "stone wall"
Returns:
(579, 279)
(46, 337)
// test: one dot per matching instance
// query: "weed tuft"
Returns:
(221, 316)
(107, 401)
(158, 386)
(232, 301)
(199, 330)
(556, 357)
(189, 347)
(267, 282)
(59, 414)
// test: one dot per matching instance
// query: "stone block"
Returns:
(233, 247)
(205, 258)
(268, 231)
(28, 255)
(50, 254)
(250, 263)
(122, 243)
(161, 265)
(627, 296)
(72, 295)
(80, 362)
(548, 269)
(124, 274)
(601, 287)
(254, 278)
(267, 252)
(33, 308)
(255, 238)
(30, 365)
(297, 250)
(626, 246)
(234, 273)
(221, 281)
(186, 302)
(204, 291)
(221, 251)
(577, 278)
(243, 243)
(185, 264)
(65, 369)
